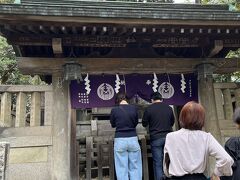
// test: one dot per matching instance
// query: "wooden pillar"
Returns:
(237, 97)
(207, 99)
(35, 117)
(228, 108)
(6, 119)
(219, 103)
(61, 129)
(21, 110)
(74, 166)
(48, 108)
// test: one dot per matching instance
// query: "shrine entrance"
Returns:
(94, 97)
(172, 48)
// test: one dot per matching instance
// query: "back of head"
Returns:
(156, 96)
(120, 97)
(192, 116)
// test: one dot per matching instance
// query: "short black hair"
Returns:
(156, 96)
(236, 115)
(119, 97)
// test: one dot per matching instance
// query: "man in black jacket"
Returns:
(160, 119)
(232, 146)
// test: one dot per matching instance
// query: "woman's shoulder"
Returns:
(183, 131)
(174, 134)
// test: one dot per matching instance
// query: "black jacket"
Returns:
(160, 119)
(125, 119)
(232, 146)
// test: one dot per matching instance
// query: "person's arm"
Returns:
(112, 119)
(145, 118)
(166, 159)
(224, 162)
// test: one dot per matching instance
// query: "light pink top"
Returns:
(189, 151)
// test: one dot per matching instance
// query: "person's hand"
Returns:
(215, 177)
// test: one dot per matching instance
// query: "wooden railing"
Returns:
(227, 97)
(26, 118)
(23, 106)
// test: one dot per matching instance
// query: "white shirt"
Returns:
(189, 150)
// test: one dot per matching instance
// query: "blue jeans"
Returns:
(128, 160)
(157, 155)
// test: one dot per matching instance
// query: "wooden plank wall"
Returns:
(21, 106)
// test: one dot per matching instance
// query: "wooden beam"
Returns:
(125, 65)
(33, 29)
(54, 29)
(64, 30)
(111, 159)
(89, 142)
(218, 46)
(114, 31)
(84, 30)
(144, 156)
(57, 46)
(25, 88)
(17, 50)
(113, 40)
(94, 30)
(225, 85)
(43, 29)
(10, 28)
(74, 30)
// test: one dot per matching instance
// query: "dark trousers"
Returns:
(190, 177)
(157, 146)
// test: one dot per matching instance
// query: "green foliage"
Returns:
(234, 54)
(219, 1)
(9, 73)
(232, 77)
(233, 5)
(6, 1)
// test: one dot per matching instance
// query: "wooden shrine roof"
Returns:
(120, 36)
(129, 10)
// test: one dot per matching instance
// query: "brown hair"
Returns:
(192, 116)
